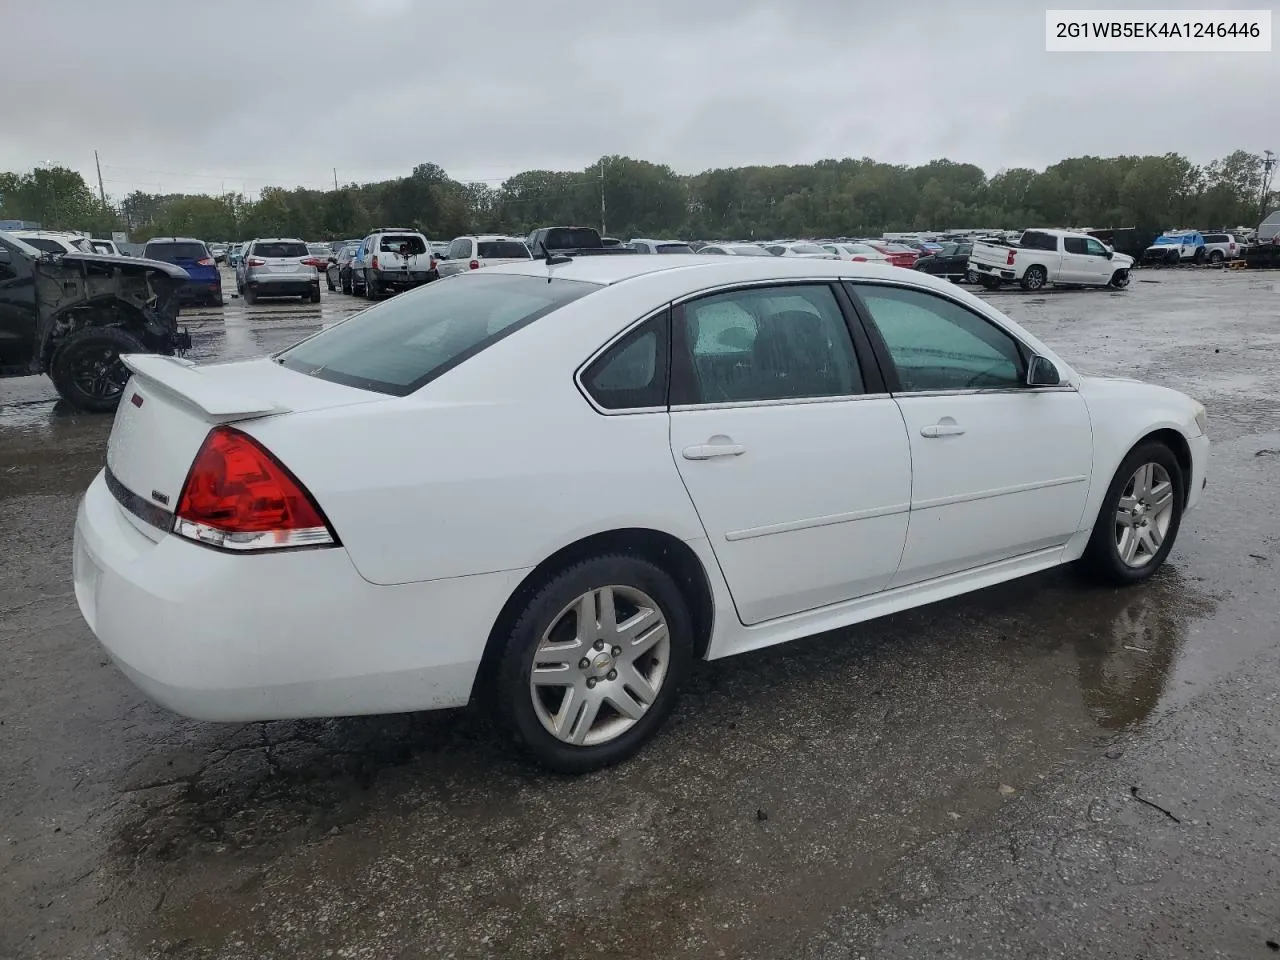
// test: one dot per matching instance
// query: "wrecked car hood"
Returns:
(128, 263)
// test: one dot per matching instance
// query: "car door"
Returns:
(792, 453)
(1077, 266)
(999, 469)
(1098, 262)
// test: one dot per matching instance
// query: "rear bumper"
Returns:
(267, 285)
(203, 289)
(275, 636)
(1199, 470)
(403, 281)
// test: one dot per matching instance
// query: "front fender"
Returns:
(1122, 413)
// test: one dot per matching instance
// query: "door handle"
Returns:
(705, 451)
(944, 428)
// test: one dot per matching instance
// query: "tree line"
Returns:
(829, 198)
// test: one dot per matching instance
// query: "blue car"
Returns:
(205, 285)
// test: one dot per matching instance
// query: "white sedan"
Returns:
(555, 485)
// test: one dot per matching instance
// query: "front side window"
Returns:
(402, 344)
(1075, 245)
(936, 344)
(763, 343)
(712, 251)
(632, 374)
(460, 249)
(1095, 249)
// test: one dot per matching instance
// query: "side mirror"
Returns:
(1110, 254)
(5, 256)
(1042, 373)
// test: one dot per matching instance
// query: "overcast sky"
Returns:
(234, 95)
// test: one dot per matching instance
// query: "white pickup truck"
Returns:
(1041, 257)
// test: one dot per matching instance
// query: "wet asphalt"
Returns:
(1040, 769)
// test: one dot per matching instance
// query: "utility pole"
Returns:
(102, 194)
(335, 179)
(1268, 170)
(603, 231)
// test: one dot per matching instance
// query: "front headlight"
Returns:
(1202, 419)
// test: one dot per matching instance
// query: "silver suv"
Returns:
(274, 267)
(1221, 246)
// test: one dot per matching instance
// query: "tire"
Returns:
(1035, 277)
(346, 286)
(1102, 561)
(989, 283)
(371, 286)
(530, 713)
(1119, 280)
(250, 297)
(1199, 258)
(86, 369)
(1216, 257)
(971, 276)
(314, 295)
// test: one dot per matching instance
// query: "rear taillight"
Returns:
(206, 262)
(1009, 260)
(255, 262)
(475, 264)
(237, 496)
(374, 262)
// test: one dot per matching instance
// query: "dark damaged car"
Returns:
(73, 315)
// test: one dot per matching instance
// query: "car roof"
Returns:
(174, 240)
(490, 236)
(278, 240)
(616, 269)
(47, 233)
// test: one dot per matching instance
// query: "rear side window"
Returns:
(1216, 238)
(632, 374)
(392, 242)
(402, 344)
(1075, 245)
(497, 249)
(280, 249)
(171, 252)
(1032, 240)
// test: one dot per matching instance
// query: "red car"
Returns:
(898, 255)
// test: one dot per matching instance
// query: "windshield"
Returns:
(1172, 241)
(172, 252)
(402, 344)
(280, 249)
(498, 249)
(24, 246)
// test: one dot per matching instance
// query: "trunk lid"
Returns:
(169, 406)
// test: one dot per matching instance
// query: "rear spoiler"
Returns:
(181, 380)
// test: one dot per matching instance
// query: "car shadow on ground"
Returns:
(214, 787)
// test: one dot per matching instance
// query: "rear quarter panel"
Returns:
(494, 466)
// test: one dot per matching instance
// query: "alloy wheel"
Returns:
(600, 665)
(1143, 515)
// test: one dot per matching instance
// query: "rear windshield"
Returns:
(497, 249)
(749, 250)
(404, 343)
(280, 249)
(674, 248)
(391, 243)
(170, 252)
(567, 239)
(318, 249)
(807, 248)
